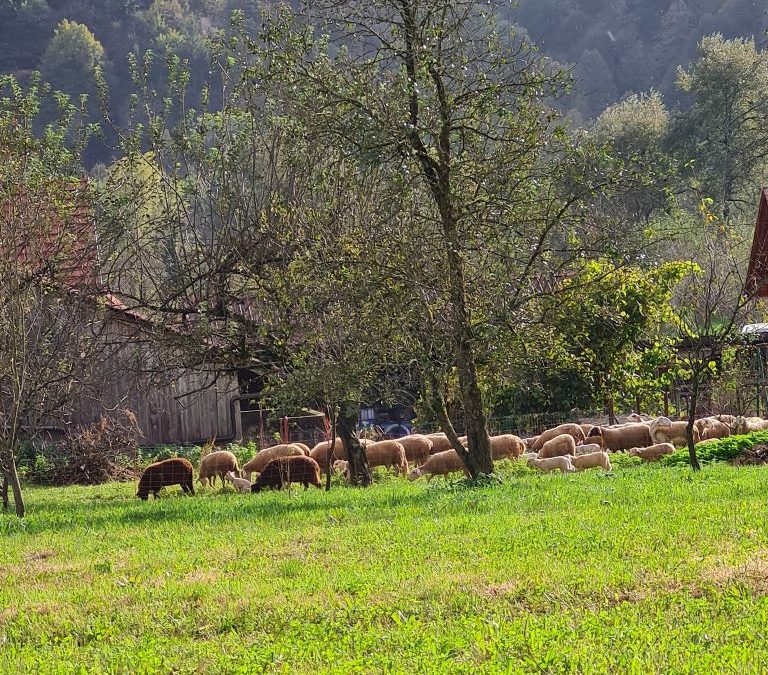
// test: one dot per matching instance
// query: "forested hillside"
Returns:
(615, 46)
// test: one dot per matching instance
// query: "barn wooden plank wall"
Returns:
(178, 407)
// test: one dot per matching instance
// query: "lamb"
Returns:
(591, 460)
(564, 444)
(417, 448)
(439, 464)
(588, 448)
(573, 430)
(654, 452)
(261, 459)
(240, 484)
(286, 470)
(175, 471)
(623, 437)
(663, 430)
(389, 454)
(563, 463)
(506, 445)
(217, 464)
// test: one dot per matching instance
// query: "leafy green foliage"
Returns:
(721, 450)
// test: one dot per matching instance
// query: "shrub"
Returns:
(99, 453)
(721, 450)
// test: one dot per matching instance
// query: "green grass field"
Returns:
(648, 569)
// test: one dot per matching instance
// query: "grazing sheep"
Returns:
(746, 425)
(217, 464)
(587, 429)
(564, 444)
(341, 466)
(440, 443)
(240, 484)
(563, 463)
(625, 436)
(257, 463)
(286, 470)
(530, 442)
(417, 448)
(388, 453)
(712, 428)
(506, 445)
(573, 430)
(320, 453)
(440, 464)
(304, 447)
(591, 460)
(527, 455)
(588, 448)
(175, 471)
(664, 430)
(653, 453)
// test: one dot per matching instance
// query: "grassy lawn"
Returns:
(648, 569)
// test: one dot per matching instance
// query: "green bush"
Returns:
(722, 450)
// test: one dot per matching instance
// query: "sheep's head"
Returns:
(633, 452)
(413, 475)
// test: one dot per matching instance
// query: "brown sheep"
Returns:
(417, 448)
(573, 430)
(261, 459)
(175, 471)
(530, 442)
(286, 470)
(653, 453)
(440, 443)
(389, 454)
(217, 463)
(439, 464)
(506, 446)
(559, 446)
(625, 436)
(304, 447)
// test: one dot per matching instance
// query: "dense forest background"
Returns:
(614, 47)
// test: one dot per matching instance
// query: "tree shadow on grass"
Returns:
(102, 512)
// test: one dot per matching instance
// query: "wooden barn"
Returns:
(173, 406)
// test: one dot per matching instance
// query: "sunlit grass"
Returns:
(648, 569)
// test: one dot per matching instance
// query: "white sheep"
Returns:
(564, 444)
(664, 430)
(591, 461)
(240, 484)
(563, 463)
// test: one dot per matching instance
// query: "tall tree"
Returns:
(725, 130)
(48, 327)
(454, 111)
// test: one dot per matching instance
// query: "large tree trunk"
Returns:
(692, 403)
(479, 458)
(439, 407)
(4, 489)
(359, 471)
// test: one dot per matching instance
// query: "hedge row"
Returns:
(722, 450)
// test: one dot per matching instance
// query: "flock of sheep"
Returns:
(567, 447)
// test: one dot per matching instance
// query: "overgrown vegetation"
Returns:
(588, 573)
(721, 450)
